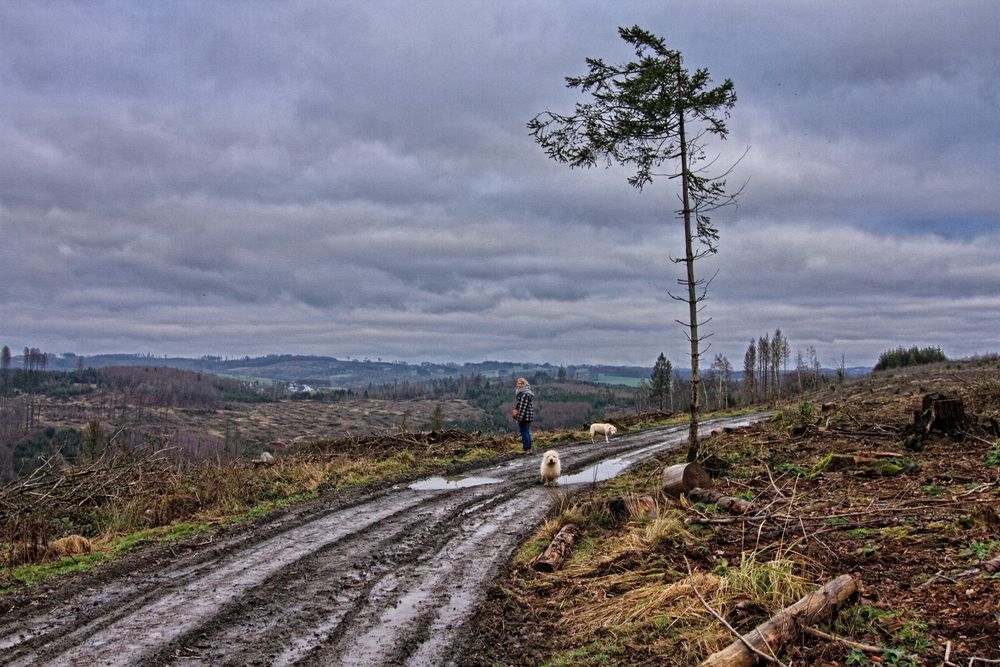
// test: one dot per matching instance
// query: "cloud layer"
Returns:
(357, 179)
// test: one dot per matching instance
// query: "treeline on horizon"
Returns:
(914, 356)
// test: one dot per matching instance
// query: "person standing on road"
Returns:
(524, 412)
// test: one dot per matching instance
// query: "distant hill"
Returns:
(330, 372)
(320, 371)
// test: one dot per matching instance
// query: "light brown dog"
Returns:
(551, 468)
(602, 429)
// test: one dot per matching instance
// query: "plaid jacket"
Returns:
(524, 403)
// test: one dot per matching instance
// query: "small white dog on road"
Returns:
(550, 468)
(602, 429)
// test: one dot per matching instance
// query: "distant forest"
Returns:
(76, 406)
(914, 356)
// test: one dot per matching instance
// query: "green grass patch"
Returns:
(27, 575)
(904, 631)
(269, 506)
(30, 574)
(894, 532)
(791, 469)
(595, 653)
(980, 550)
(993, 454)
(867, 550)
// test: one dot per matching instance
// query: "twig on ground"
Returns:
(867, 648)
(938, 576)
(770, 477)
(947, 655)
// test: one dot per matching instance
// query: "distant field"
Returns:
(288, 421)
(621, 380)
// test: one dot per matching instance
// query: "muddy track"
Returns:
(383, 578)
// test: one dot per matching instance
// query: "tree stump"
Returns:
(681, 478)
(769, 637)
(625, 507)
(941, 413)
(558, 550)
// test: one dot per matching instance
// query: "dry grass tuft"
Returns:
(71, 545)
(647, 598)
(770, 584)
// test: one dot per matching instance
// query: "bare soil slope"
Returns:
(919, 529)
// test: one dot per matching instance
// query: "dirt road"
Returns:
(387, 577)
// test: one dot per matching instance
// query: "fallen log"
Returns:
(558, 550)
(886, 466)
(770, 637)
(727, 503)
(681, 478)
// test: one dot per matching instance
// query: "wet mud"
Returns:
(384, 576)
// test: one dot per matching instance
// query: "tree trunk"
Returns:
(681, 478)
(558, 550)
(728, 503)
(692, 291)
(771, 636)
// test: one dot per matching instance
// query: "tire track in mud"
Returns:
(387, 579)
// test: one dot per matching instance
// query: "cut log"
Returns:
(558, 550)
(771, 636)
(727, 503)
(681, 478)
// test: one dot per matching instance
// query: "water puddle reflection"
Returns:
(599, 472)
(453, 482)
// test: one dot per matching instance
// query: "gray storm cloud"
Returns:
(357, 179)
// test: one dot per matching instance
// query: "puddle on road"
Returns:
(454, 482)
(606, 469)
(599, 472)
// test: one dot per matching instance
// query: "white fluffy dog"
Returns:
(550, 468)
(602, 429)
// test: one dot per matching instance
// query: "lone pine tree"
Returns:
(647, 114)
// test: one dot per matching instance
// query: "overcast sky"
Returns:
(356, 179)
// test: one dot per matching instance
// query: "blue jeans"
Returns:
(525, 428)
